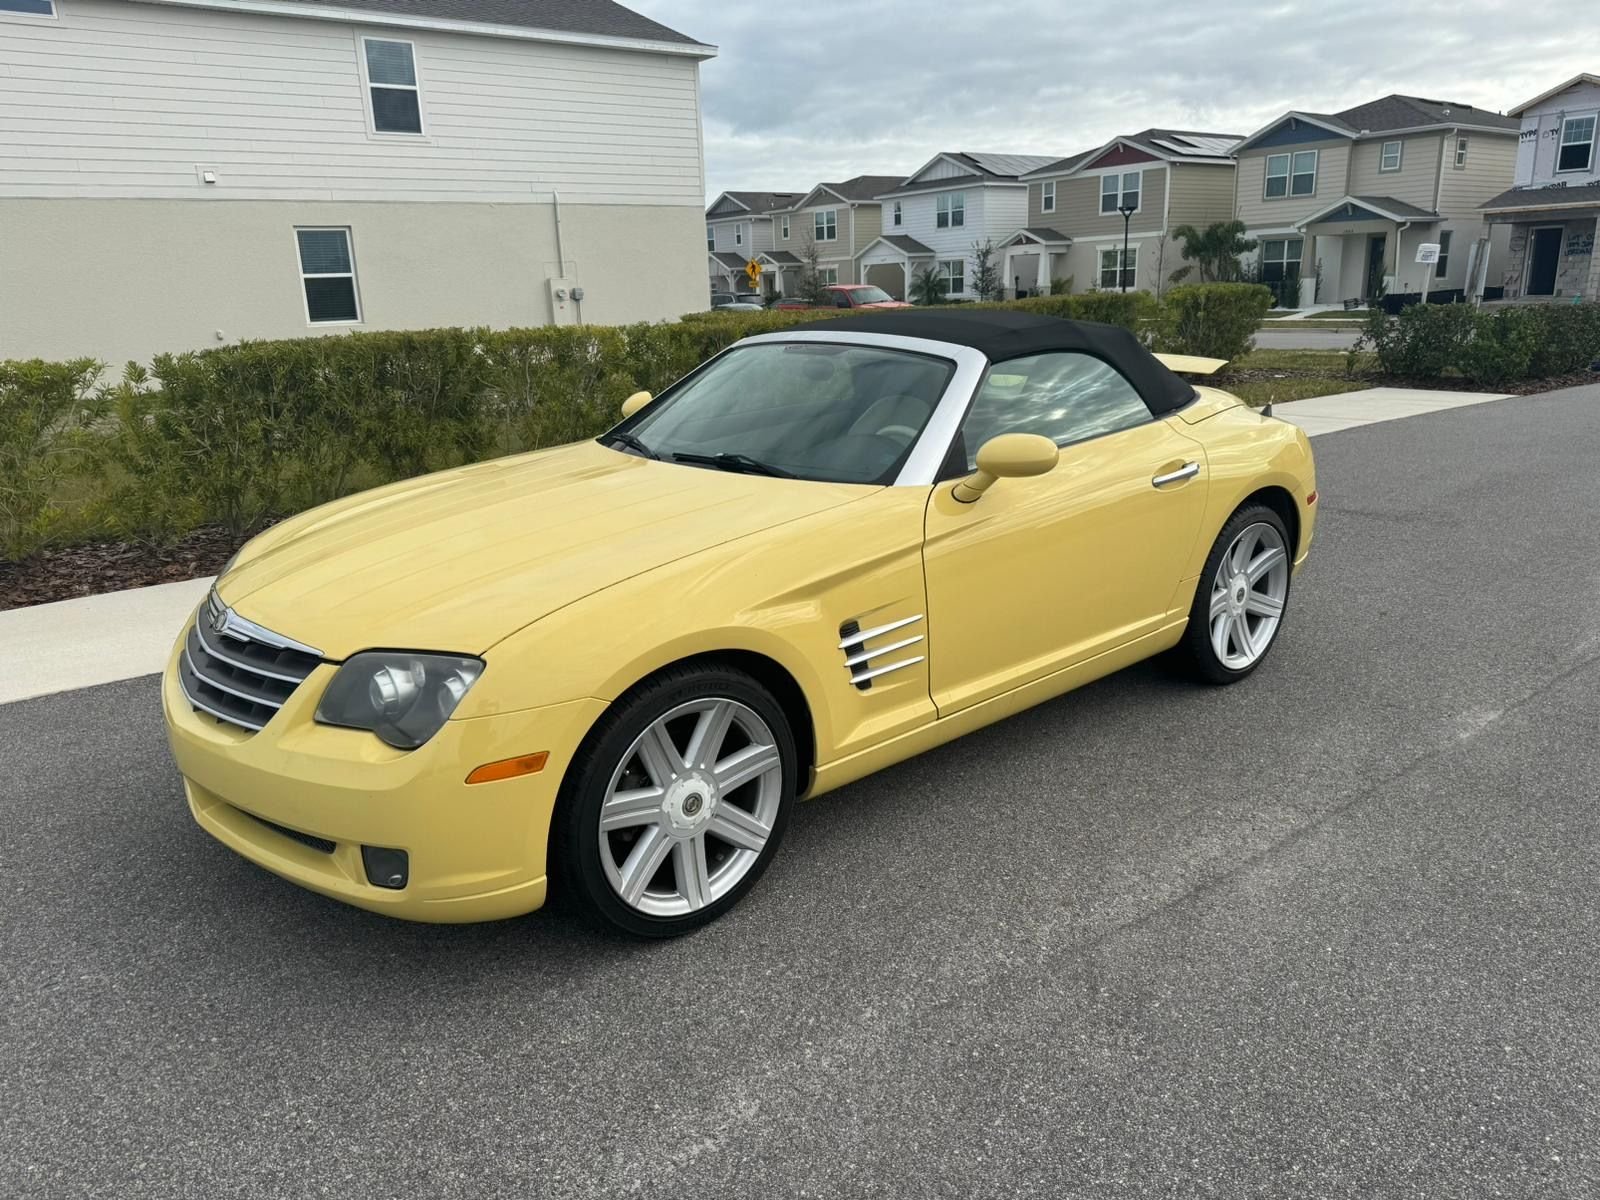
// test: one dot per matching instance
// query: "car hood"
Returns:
(460, 560)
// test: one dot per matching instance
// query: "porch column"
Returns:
(905, 265)
(1007, 278)
(1591, 293)
(1044, 271)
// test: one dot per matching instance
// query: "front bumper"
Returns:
(477, 852)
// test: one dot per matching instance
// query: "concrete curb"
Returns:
(122, 635)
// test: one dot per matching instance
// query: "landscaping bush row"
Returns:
(1490, 347)
(237, 433)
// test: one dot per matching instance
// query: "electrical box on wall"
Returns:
(565, 298)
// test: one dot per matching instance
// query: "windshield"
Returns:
(869, 295)
(839, 413)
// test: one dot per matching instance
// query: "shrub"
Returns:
(1421, 341)
(1501, 347)
(1568, 339)
(1213, 320)
(43, 407)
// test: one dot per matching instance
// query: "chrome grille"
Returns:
(866, 664)
(236, 671)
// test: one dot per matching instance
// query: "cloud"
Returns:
(831, 88)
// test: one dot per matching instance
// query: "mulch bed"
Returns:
(67, 572)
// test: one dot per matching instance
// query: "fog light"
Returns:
(386, 868)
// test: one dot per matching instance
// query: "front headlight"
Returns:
(404, 698)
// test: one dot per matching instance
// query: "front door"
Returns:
(1039, 574)
(1544, 256)
(1377, 244)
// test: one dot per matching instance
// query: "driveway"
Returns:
(1288, 335)
(1329, 933)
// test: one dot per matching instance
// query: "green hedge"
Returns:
(1490, 347)
(237, 433)
(1213, 320)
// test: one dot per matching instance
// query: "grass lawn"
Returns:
(1275, 376)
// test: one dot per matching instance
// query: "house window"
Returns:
(1291, 174)
(738, 235)
(711, 238)
(31, 8)
(955, 275)
(1119, 191)
(1461, 152)
(1047, 196)
(1280, 260)
(828, 275)
(328, 273)
(1389, 158)
(1110, 260)
(1577, 144)
(827, 225)
(784, 228)
(392, 84)
(950, 210)
(1443, 265)
(899, 217)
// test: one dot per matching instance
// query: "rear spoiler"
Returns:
(1189, 364)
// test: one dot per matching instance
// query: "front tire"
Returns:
(677, 803)
(1241, 598)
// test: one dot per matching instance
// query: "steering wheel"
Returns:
(903, 434)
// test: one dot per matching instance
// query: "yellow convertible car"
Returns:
(607, 671)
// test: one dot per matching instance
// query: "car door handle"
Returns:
(1187, 471)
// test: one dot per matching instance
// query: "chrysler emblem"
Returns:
(219, 620)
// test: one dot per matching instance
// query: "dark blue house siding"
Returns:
(1296, 133)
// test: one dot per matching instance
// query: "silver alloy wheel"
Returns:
(1248, 595)
(690, 807)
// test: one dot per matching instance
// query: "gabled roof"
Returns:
(1172, 145)
(909, 246)
(733, 262)
(978, 168)
(752, 203)
(1383, 206)
(1395, 114)
(1584, 195)
(1038, 234)
(779, 258)
(603, 21)
(1585, 77)
(852, 191)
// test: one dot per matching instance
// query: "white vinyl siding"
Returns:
(127, 100)
(825, 225)
(328, 276)
(1389, 156)
(989, 212)
(950, 210)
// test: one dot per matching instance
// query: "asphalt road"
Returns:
(1285, 335)
(1329, 933)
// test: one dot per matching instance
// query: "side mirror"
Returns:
(1009, 456)
(634, 403)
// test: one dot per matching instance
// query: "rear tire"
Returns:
(676, 803)
(1240, 601)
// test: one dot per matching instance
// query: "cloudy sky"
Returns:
(825, 89)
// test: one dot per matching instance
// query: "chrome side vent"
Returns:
(865, 663)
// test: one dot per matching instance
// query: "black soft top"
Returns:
(1001, 334)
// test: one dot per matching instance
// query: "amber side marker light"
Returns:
(510, 768)
(1311, 499)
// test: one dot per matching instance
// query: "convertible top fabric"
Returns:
(1001, 334)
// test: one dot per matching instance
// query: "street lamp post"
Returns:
(1127, 211)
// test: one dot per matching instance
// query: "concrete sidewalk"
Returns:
(122, 635)
(1329, 414)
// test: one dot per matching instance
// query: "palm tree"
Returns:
(929, 286)
(1215, 249)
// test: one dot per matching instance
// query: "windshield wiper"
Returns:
(631, 442)
(734, 462)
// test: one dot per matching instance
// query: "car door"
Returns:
(1042, 573)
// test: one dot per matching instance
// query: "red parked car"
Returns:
(848, 295)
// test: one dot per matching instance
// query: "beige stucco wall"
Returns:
(126, 279)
